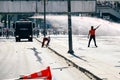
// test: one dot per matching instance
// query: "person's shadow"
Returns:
(36, 54)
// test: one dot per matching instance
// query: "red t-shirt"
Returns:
(92, 32)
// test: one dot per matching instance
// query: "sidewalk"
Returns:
(94, 68)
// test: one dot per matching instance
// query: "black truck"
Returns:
(23, 30)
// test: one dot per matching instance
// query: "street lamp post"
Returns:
(36, 14)
(70, 28)
(36, 11)
(44, 31)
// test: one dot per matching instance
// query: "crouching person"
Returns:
(44, 40)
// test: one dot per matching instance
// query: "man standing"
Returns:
(92, 35)
(7, 33)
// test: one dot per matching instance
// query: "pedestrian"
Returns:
(7, 33)
(91, 35)
(37, 33)
(48, 41)
(44, 40)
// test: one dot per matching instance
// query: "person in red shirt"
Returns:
(44, 40)
(92, 35)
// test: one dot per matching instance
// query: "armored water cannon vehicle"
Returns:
(23, 30)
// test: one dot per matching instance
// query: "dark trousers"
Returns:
(48, 43)
(92, 37)
(44, 40)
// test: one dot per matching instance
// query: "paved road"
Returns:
(23, 58)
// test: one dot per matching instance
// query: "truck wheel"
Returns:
(17, 40)
(30, 39)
